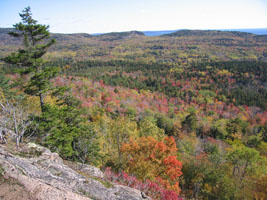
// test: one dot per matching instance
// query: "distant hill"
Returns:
(65, 37)
(6, 39)
(77, 38)
(119, 35)
(179, 46)
(207, 33)
(217, 35)
(256, 31)
(82, 38)
(6, 30)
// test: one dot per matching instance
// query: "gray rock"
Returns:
(37, 147)
(46, 177)
(91, 170)
(52, 157)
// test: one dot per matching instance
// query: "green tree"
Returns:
(218, 129)
(166, 124)
(35, 38)
(148, 127)
(243, 159)
(121, 129)
(64, 129)
(5, 87)
(86, 145)
(190, 122)
(235, 128)
(202, 180)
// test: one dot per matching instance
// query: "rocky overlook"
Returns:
(36, 173)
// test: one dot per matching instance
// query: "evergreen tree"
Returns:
(190, 122)
(5, 88)
(64, 129)
(35, 38)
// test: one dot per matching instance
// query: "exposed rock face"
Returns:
(46, 177)
(90, 170)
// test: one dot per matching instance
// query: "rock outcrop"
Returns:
(44, 176)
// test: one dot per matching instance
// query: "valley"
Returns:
(185, 112)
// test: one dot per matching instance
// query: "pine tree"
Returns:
(5, 87)
(35, 38)
(64, 129)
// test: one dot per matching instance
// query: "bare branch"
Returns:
(13, 118)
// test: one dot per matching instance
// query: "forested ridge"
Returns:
(178, 116)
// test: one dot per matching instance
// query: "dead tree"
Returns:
(13, 119)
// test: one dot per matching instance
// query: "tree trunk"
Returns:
(41, 102)
(244, 173)
(17, 141)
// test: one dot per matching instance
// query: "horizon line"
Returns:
(212, 29)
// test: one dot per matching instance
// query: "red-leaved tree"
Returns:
(148, 158)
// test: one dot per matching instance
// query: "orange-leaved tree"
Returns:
(148, 158)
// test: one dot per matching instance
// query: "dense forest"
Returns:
(178, 116)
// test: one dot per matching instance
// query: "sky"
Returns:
(101, 16)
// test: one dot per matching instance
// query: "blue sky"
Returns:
(99, 16)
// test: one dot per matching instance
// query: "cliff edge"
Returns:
(34, 172)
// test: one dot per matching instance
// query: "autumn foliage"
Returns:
(152, 189)
(206, 91)
(151, 159)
